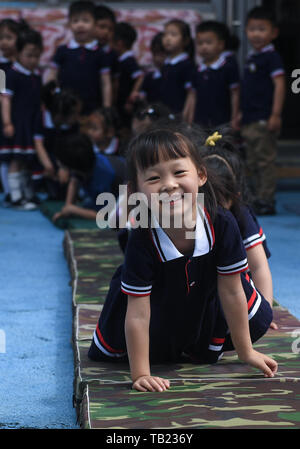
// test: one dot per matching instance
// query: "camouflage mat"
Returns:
(230, 394)
(49, 208)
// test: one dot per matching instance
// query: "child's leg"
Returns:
(4, 177)
(14, 181)
(27, 184)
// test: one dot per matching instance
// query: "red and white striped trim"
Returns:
(134, 290)
(104, 347)
(235, 268)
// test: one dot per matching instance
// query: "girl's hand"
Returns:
(273, 326)
(150, 383)
(261, 361)
(8, 130)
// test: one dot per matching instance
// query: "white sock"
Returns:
(26, 184)
(4, 177)
(14, 183)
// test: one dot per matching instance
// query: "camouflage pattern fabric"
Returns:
(229, 394)
(49, 208)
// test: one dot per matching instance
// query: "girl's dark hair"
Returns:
(155, 111)
(79, 7)
(228, 166)
(186, 35)
(156, 45)
(231, 41)
(110, 116)
(160, 143)
(29, 36)
(75, 151)
(57, 101)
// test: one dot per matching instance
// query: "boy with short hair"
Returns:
(262, 98)
(130, 76)
(81, 65)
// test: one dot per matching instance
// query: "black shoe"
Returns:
(6, 201)
(23, 204)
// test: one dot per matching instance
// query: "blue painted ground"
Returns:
(36, 370)
(35, 302)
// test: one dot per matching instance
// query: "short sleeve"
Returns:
(58, 57)
(276, 67)
(104, 61)
(188, 75)
(231, 253)
(138, 271)
(10, 83)
(133, 68)
(232, 73)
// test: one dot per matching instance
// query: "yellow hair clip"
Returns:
(211, 140)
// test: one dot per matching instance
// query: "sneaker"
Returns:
(6, 201)
(23, 204)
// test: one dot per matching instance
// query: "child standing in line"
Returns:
(9, 30)
(81, 65)
(262, 98)
(178, 68)
(21, 108)
(101, 126)
(217, 79)
(232, 193)
(94, 173)
(162, 303)
(151, 87)
(129, 74)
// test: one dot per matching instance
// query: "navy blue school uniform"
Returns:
(251, 231)
(151, 86)
(177, 77)
(108, 172)
(128, 71)
(213, 85)
(24, 88)
(5, 64)
(111, 58)
(182, 289)
(80, 68)
(257, 88)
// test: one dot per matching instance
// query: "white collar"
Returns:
(215, 65)
(204, 238)
(125, 55)
(156, 74)
(3, 59)
(176, 59)
(269, 47)
(112, 147)
(17, 66)
(93, 45)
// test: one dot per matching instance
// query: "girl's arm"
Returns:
(234, 304)
(261, 274)
(106, 88)
(137, 341)
(8, 128)
(189, 106)
(72, 191)
(274, 122)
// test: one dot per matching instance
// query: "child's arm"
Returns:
(261, 274)
(274, 122)
(44, 159)
(8, 128)
(106, 87)
(234, 304)
(137, 340)
(189, 106)
(134, 94)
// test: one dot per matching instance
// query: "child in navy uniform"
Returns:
(178, 68)
(21, 108)
(151, 87)
(9, 30)
(81, 65)
(222, 158)
(262, 98)
(162, 301)
(129, 74)
(94, 173)
(217, 78)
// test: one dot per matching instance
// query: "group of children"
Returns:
(98, 88)
(175, 297)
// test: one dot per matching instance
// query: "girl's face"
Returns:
(209, 46)
(82, 26)
(173, 40)
(29, 56)
(170, 180)
(7, 42)
(96, 129)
